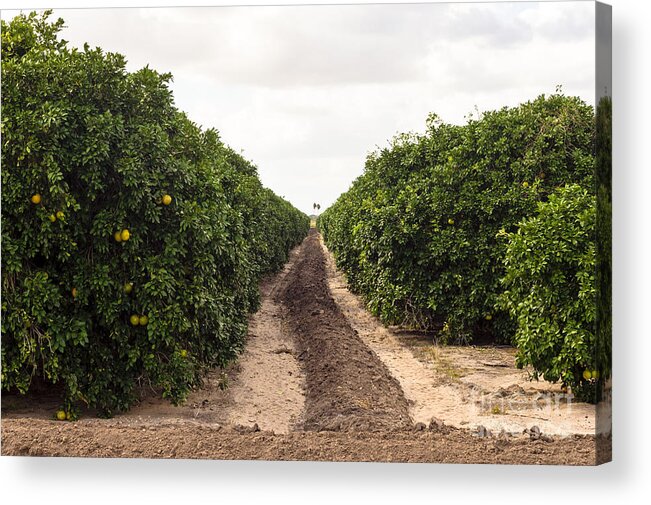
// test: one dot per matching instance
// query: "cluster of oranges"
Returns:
(136, 320)
(36, 200)
(590, 375)
(123, 236)
(120, 236)
(62, 415)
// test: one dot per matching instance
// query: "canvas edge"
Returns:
(603, 183)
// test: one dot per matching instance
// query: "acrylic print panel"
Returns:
(341, 233)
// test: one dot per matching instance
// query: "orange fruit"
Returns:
(143, 320)
(52, 218)
(489, 317)
(61, 415)
(134, 320)
(587, 375)
(36, 199)
(450, 221)
(595, 374)
(167, 199)
(128, 287)
(125, 235)
(74, 292)
(117, 236)
(60, 215)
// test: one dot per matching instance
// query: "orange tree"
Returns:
(132, 241)
(557, 283)
(416, 234)
(550, 290)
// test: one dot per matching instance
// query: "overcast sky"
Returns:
(307, 92)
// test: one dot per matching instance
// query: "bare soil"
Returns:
(269, 388)
(348, 386)
(192, 440)
(311, 385)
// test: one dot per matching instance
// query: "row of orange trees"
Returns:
(132, 241)
(485, 230)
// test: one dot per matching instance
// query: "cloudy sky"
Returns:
(306, 92)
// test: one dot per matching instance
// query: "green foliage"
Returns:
(416, 234)
(603, 148)
(550, 289)
(101, 146)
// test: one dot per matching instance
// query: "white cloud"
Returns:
(307, 91)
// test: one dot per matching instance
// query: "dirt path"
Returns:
(269, 388)
(463, 386)
(310, 386)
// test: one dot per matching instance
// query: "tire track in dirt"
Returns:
(347, 385)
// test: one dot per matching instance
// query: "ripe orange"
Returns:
(125, 235)
(36, 199)
(117, 236)
(61, 415)
(134, 320)
(167, 199)
(74, 292)
(143, 320)
(587, 375)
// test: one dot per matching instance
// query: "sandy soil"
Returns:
(462, 386)
(269, 389)
(320, 380)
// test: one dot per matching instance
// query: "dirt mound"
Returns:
(348, 386)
